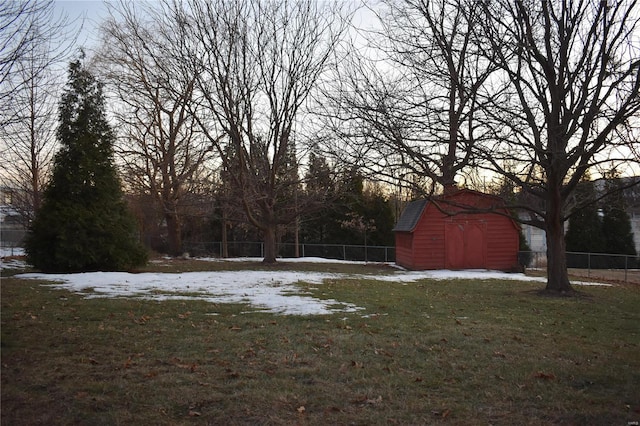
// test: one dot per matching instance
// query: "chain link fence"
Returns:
(288, 250)
(11, 239)
(601, 266)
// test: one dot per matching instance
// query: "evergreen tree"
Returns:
(585, 234)
(379, 211)
(616, 224)
(83, 223)
(319, 184)
(353, 215)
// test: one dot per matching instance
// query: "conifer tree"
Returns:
(616, 223)
(83, 223)
(584, 234)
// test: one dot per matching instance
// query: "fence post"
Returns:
(626, 263)
(589, 264)
(303, 250)
(344, 252)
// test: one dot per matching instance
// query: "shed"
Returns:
(462, 229)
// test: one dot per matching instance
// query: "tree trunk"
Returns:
(297, 238)
(557, 274)
(225, 242)
(269, 235)
(174, 235)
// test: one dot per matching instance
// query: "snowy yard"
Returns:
(164, 347)
(271, 291)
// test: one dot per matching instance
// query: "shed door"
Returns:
(454, 246)
(475, 253)
(465, 245)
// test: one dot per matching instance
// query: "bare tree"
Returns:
(163, 152)
(406, 103)
(256, 63)
(34, 42)
(17, 34)
(574, 74)
(29, 139)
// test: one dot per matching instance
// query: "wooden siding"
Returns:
(429, 240)
(488, 240)
(404, 249)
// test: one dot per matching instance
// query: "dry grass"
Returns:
(454, 352)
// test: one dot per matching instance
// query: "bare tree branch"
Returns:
(164, 152)
(409, 104)
(256, 64)
(34, 42)
(574, 74)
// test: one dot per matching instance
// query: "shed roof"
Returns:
(410, 216)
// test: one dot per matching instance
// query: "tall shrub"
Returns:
(83, 223)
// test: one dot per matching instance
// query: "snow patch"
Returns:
(269, 291)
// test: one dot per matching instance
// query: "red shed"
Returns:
(463, 229)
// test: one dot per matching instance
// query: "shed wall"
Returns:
(426, 247)
(428, 240)
(404, 250)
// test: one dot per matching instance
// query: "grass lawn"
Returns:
(431, 352)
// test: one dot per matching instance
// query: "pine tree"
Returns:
(319, 185)
(585, 234)
(616, 223)
(83, 223)
(378, 210)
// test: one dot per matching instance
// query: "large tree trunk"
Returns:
(557, 274)
(269, 235)
(225, 242)
(174, 234)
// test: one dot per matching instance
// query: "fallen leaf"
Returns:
(363, 399)
(377, 400)
(544, 376)
(194, 413)
(301, 409)
(444, 413)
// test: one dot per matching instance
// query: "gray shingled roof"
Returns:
(410, 216)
